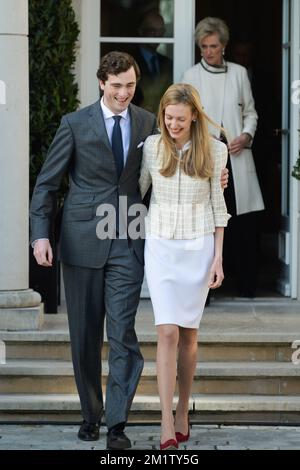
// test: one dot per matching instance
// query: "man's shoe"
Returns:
(117, 439)
(89, 431)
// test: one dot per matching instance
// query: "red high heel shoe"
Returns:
(169, 445)
(183, 437)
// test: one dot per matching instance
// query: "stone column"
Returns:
(20, 307)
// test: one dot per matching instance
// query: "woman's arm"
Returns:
(217, 197)
(216, 274)
(145, 177)
(249, 117)
(249, 113)
(221, 217)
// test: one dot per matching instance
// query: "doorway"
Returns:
(258, 28)
(256, 43)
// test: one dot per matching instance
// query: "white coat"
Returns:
(227, 99)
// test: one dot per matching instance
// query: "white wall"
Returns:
(14, 145)
(88, 17)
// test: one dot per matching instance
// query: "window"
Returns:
(146, 31)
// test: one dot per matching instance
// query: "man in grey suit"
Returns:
(100, 148)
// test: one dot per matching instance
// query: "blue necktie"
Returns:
(117, 145)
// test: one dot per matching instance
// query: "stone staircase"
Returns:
(244, 374)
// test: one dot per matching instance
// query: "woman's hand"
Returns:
(216, 274)
(237, 145)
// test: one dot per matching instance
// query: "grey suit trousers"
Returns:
(112, 292)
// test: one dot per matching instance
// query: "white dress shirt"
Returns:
(124, 124)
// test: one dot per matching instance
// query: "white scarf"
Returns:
(212, 86)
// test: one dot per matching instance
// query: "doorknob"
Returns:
(279, 132)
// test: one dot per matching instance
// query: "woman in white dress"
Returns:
(184, 239)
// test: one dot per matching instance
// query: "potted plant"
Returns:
(296, 170)
(53, 32)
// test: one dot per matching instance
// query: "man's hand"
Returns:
(237, 145)
(43, 253)
(224, 178)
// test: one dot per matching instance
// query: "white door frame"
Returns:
(294, 149)
(289, 235)
(184, 47)
(88, 17)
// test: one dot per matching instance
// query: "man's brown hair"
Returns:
(115, 63)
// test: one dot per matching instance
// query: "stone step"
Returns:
(208, 350)
(230, 331)
(70, 402)
(261, 378)
(146, 408)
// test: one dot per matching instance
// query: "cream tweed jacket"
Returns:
(181, 206)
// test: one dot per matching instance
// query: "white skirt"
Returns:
(177, 273)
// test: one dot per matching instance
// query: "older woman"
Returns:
(227, 99)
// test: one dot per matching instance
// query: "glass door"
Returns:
(157, 33)
(146, 31)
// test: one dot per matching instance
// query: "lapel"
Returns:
(96, 121)
(135, 137)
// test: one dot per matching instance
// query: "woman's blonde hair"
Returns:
(211, 25)
(197, 161)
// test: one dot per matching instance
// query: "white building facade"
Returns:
(106, 25)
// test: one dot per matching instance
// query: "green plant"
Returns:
(53, 33)
(296, 170)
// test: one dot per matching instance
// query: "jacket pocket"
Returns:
(81, 198)
(83, 213)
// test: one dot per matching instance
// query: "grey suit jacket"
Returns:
(82, 150)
